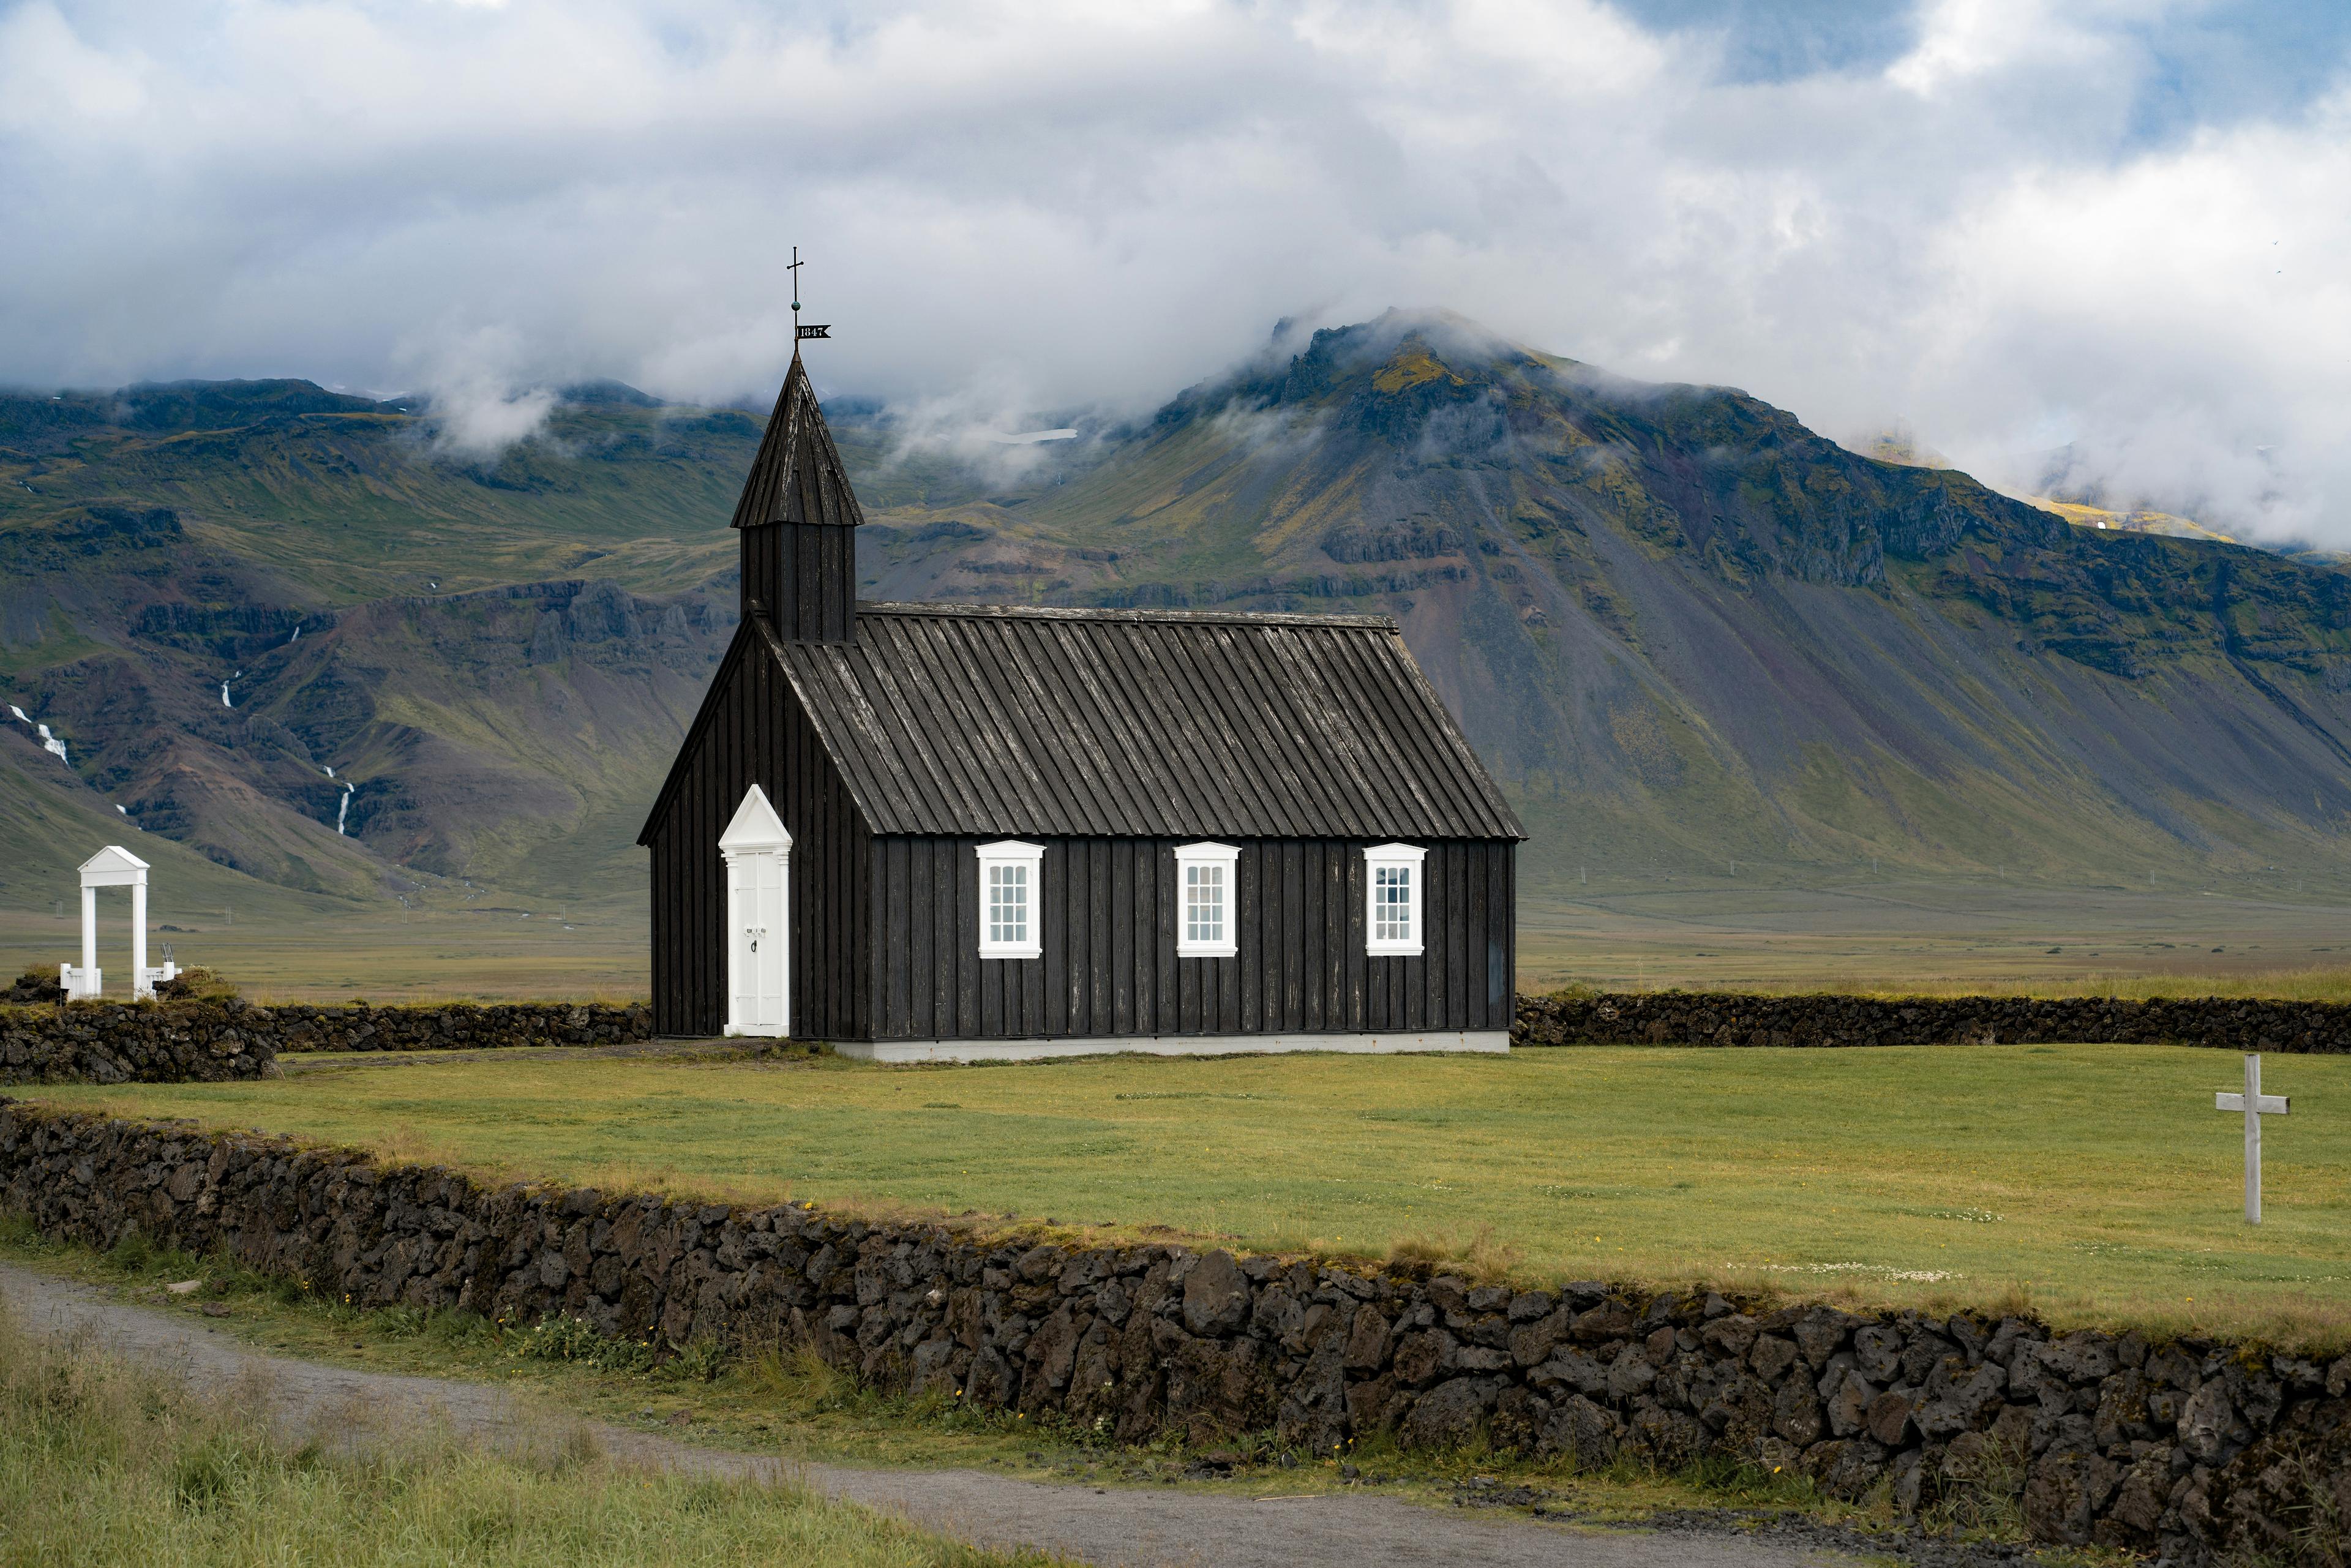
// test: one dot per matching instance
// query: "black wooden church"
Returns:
(940, 831)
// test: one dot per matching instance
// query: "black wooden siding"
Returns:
(1108, 927)
(751, 731)
(803, 575)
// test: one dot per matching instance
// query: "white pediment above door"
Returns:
(754, 826)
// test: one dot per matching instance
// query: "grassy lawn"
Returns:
(102, 1461)
(2097, 1184)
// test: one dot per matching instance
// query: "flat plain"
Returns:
(1697, 931)
(1921, 935)
(439, 954)
(2094, 1184)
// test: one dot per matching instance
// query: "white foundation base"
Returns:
(1493, 1041)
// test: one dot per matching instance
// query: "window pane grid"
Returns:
(1011, 886)
(1008, 903)
(1391, 904)
(1204, 904)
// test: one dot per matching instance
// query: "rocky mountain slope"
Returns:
(273, 625)
(1685, 631)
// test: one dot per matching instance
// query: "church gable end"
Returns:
(752, 732)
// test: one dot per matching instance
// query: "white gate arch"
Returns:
(112, 866)
(759, 856)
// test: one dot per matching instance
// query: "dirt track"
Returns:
(1142, 1527)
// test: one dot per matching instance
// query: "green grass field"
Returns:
(2095, 1184)
(103, 1462)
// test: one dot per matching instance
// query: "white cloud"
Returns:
(1964, 40)
(1977, 232)
(481, 402)
(975, 425)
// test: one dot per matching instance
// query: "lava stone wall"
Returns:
(1726, 1018)
(449, 1026)
(113, 1042)
(2192, 1448)
(116, 1042)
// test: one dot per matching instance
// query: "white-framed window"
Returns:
(1208, 885)
(1392, 879)
(1011, 910)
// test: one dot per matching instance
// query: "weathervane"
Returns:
(799, 331)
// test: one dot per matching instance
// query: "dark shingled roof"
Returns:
(973, 720)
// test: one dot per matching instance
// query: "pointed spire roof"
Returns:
(796, 478)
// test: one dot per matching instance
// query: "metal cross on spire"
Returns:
(799, 331)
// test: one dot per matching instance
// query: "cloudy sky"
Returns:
(2009, 223)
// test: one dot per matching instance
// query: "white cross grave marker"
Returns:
(2255, 1105)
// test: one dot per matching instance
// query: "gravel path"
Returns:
(1142, 1527)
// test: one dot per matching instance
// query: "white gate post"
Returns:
(88, 939)
(141, 985)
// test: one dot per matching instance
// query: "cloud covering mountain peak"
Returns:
(2014, 224)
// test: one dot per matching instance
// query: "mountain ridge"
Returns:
(1682, 628)
(1660, 531)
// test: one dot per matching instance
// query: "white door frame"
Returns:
(756, 834)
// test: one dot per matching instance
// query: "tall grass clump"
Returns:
(104, 1462)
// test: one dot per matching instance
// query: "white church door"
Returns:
(758, 853)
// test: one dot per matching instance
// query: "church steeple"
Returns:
(797, 515)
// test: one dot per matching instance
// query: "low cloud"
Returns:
(478, 400)
(482, 419)
(988, 427)
(2019, 225)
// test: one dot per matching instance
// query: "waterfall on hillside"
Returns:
(225, 701)
(343, 811)
(291, 641)
(49, 742)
